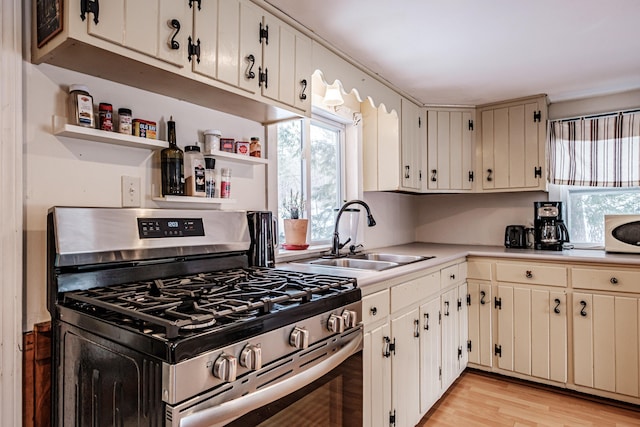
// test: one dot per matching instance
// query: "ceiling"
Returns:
(472, 52)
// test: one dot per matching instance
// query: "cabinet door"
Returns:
(206, 26)
(504, 300)
(463, 331)
(377, 377)
(449, 331)
(480, 329)
(413, 137)
(145, 26)
(250, 46)
(549, 335)
(229, 64)
(302, 78)
(380, 149)
(278, 56)
(606, 343)
(430, 362)
(513, 138)
(405, 368)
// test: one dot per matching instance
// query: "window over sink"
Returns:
(311, 167)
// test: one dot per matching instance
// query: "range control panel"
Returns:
(154, 228)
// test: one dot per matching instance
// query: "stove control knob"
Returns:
(335, 324)
(299, 338)
(225, 367)
(251, 357)
(350, 318)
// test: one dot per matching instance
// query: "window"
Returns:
(585, 208)
(312, 168)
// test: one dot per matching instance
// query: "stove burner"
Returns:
(164, 307)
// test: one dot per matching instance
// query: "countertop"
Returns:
(446, 253)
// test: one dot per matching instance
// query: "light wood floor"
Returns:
(477, 399)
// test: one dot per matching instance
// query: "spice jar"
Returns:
(209, 176)
(255, 148)
(225, 184)
(80, 106)
(211, 141)
(105, 112)
(227, 144)
(124, 121)
(194, 171)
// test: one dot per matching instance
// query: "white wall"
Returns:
(395, 216)
(64, 171)
(476, 219)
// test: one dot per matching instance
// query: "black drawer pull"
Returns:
(583, 313)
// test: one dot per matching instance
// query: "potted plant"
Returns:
(295, 228)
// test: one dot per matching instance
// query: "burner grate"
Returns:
(170, 306)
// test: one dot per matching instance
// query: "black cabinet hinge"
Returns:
(459, 304)
(470, 176)
(440, 372)
(392, 418)
(498, 350)
(90, 6)
(469, 346)
(470, 124)
(497, 303)
(264, 33)
(439, 318)
(468, 299)
(194, 1)
(459, 352)
(537, 116)
(419, 122)
(537, 172)
(193, 49)
(263, 77)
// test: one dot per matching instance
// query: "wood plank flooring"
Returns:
(478, 399)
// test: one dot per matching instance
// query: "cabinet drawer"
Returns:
(450, 276)
(411, 292)
(480, 270)
(534, 274)
(618, 280)
(375, 306)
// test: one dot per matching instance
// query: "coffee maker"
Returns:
(550, 231)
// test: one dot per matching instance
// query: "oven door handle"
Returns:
(228, 411)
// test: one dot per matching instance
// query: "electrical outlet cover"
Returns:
(130, 192)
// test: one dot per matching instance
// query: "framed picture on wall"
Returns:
(48, 20)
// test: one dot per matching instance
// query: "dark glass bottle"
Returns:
(172, 164)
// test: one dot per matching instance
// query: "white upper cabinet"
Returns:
(156, 28)
(513, 145)
(450, 150)
(413, 141)
(380, 149)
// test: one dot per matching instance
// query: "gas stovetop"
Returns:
(180, 307)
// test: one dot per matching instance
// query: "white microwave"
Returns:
(622, 233)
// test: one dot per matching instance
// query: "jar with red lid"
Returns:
(106, 116)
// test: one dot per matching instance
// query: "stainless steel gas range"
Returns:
(158, 320)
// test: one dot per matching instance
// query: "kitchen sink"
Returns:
(361, 264)
(367, 261)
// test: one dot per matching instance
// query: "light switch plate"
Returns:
(130, 192)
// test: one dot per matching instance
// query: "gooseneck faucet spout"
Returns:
(335, 247)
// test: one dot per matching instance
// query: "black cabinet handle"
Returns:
(373, 311)
(556, 309)
(175, 24)
(250, 74)
(489, 174)
(434, 173)
(386, 350)
(426, 321)
(446, 308)
(482, 295)
(614, 281)
(528, 274)
(416, 328)
(583, 313)
(303, 95)
(406, 172)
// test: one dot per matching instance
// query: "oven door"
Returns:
(320, 386)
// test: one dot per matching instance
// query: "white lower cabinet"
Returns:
(532, 331)
(480, 323)
(414, 346)
(606, 342)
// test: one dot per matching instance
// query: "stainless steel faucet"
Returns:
(335, 247)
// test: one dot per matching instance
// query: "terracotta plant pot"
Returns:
(295, 231)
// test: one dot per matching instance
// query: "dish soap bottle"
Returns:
(172, 164)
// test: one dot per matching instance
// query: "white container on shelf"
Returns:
(211, 141)
(194, 171)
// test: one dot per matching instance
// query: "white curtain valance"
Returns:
(596, 152)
